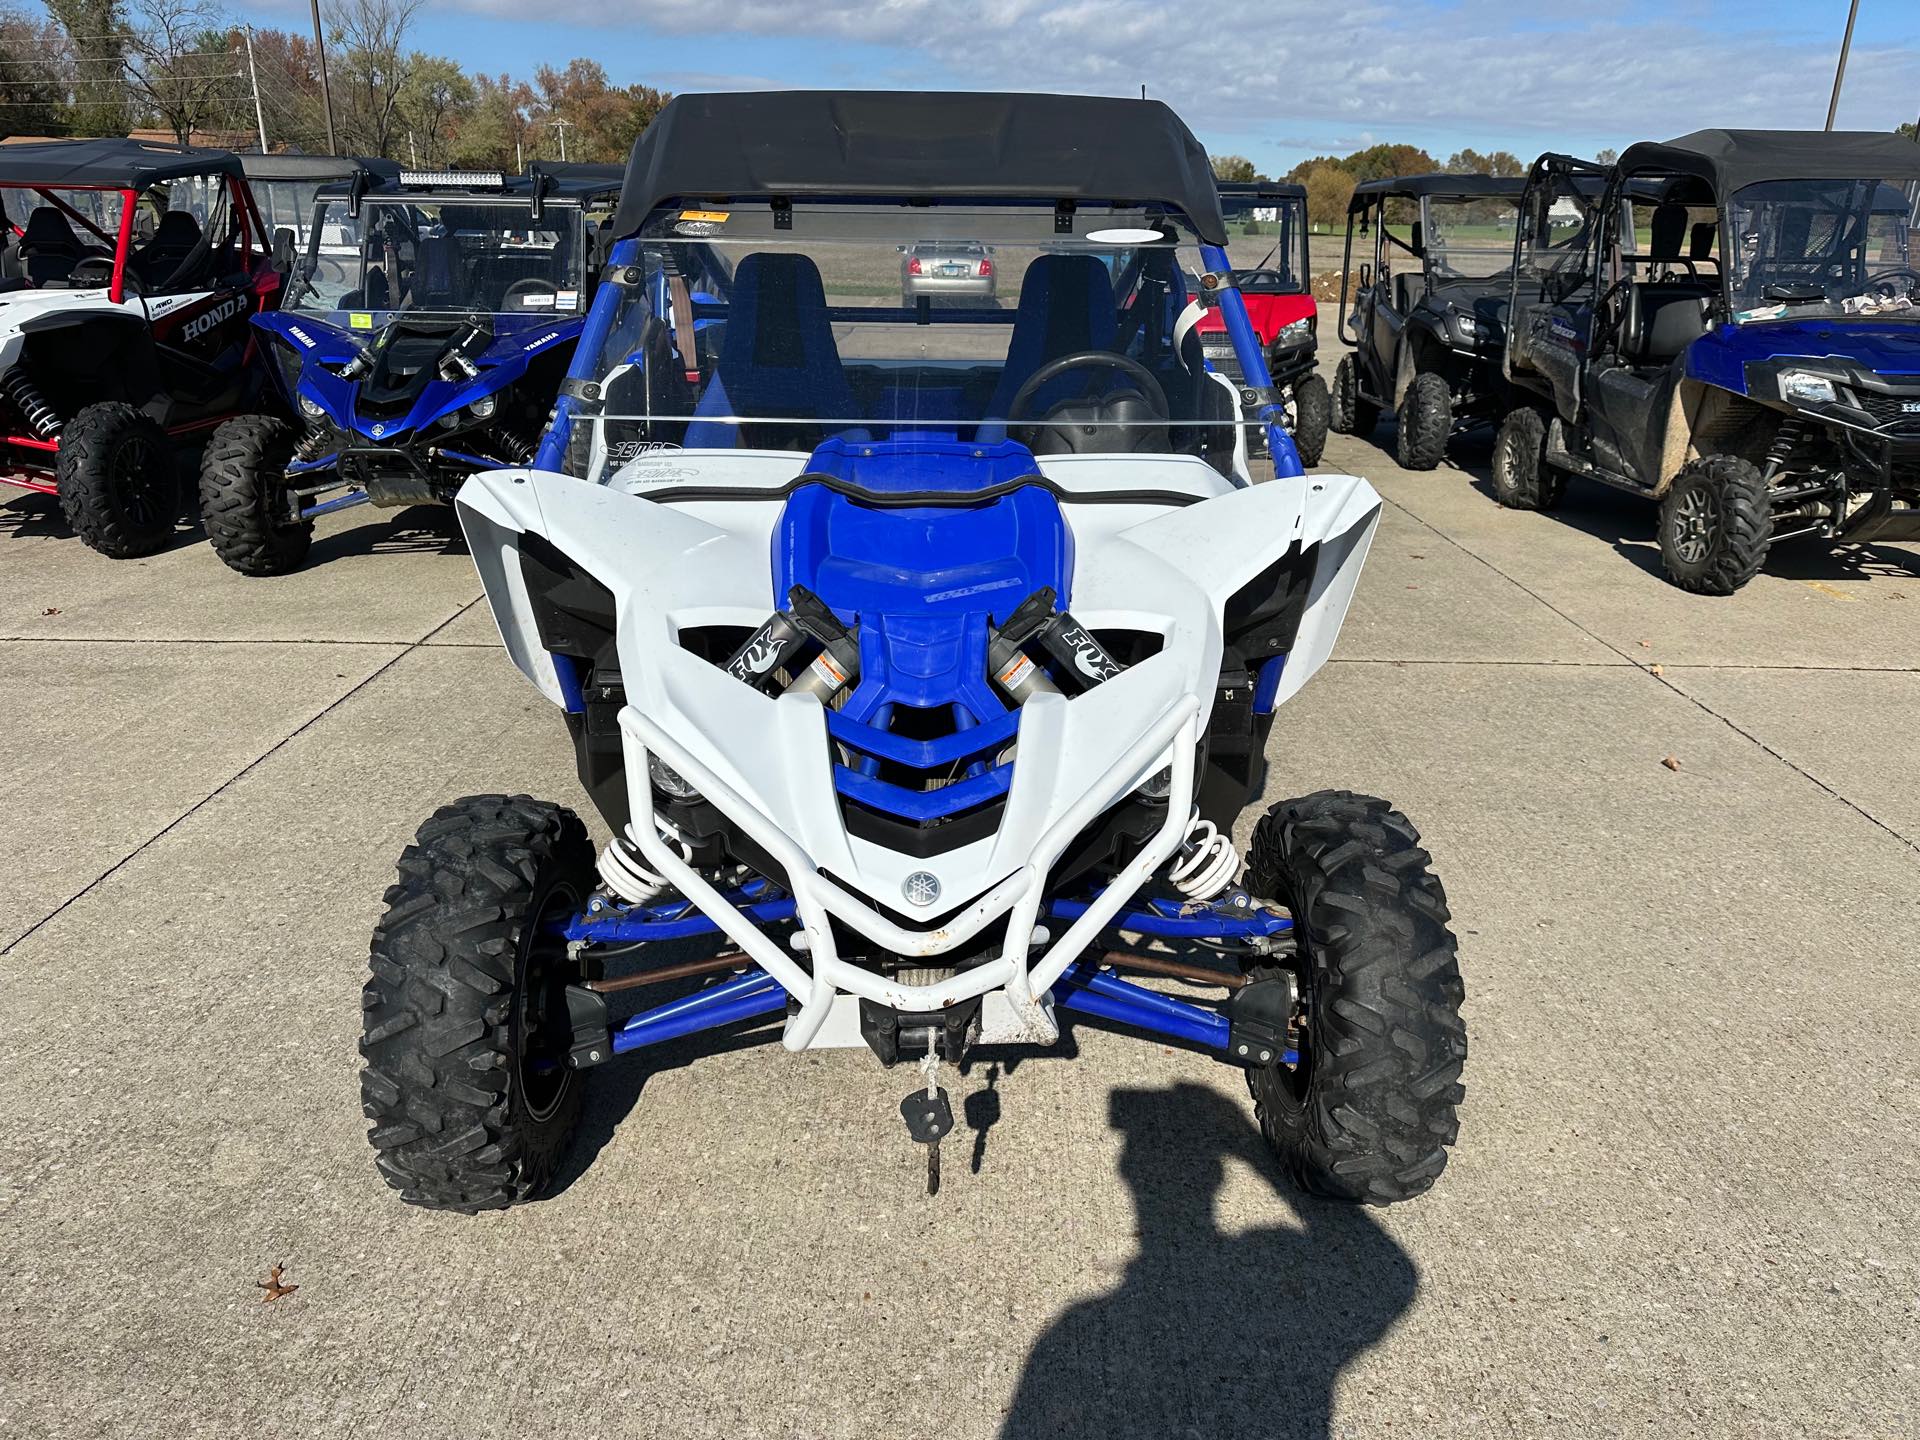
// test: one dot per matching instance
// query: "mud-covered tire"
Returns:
(243, 487)
(1370, 1110)
(1348, 412)
(118, 483)
(1522, 478)
(465, 1076)
(1312, 412)
(1426, 420)
(1716, 525)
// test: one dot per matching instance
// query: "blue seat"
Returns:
(778, 359)
(1066, 304)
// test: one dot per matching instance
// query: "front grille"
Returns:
(1899, 413)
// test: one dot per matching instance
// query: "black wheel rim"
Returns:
(543, 1034)
(141, 493)
(1696, 519)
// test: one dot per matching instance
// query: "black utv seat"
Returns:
(47, 249)
(1664, 318)
(174, 239)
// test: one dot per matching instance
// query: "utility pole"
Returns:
(326, 91)
(1840, 71)
(561, 126)
(253, 78)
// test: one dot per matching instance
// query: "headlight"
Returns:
(310, 407)
(1296, 332)
(1803, 387)
(667, 780)
(1469, 327)
(1158, 785)
(482, 409)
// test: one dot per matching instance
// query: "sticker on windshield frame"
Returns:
(359, 320)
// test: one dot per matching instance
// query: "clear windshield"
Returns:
(443, 257)
(1823, 247)
(1266, 242)
(1468, 239)
(876, 322)
(186, 233)
(286, 205)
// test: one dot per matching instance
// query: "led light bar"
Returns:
(471, 179)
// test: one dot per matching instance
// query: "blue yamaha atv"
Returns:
(424, 338)
(1725, 324)
(919, 662)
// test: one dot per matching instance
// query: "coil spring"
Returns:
(41, 417)
(314, 441)
(1206, 861)
(627, 875)
(515, 445)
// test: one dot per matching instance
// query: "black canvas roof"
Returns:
(316, 167)
(1415, 187)
(919, 144)
(109, 164)
(1731, 159)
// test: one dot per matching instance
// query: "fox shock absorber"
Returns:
(41, 417)
(785, 633)
(1065, 639)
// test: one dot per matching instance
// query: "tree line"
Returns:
(111, 67)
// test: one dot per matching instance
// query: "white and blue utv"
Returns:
(426, 330)
(920, 660)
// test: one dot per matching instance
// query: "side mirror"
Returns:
(283, 249)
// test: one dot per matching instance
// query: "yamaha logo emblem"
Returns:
(921, 888)
(378, 431)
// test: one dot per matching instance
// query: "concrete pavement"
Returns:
(1682, 1203)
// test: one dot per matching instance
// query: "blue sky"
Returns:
(1278, 80)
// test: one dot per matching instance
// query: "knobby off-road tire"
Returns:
(118, 485)
(466, 1033)
(1370, 1110)
(1350, 414)
(1522, 478)
(1716, 525)
(243, 487)
(1312, 412)
(1426, 420)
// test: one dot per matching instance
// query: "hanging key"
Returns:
(928, 1113)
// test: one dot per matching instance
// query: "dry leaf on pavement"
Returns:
(272, 1285)
(1672, 762)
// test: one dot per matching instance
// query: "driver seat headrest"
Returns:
(1669, 227)
(48, 233)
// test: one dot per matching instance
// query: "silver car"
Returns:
(946, 270)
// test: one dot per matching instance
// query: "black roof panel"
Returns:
(108, 164)
(1415, 187)
(1731, 159)
(316, 167)
(919, 145)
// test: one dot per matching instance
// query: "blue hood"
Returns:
(1883, 347)
(320, 344)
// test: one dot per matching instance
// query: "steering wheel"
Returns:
(1883, 283)
(529, 286)
(103, 264)
(1279, 277)
(1150, 388)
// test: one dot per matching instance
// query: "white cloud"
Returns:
(1497, 74)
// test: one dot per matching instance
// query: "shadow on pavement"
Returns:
(1208, 1333)
(417, 530)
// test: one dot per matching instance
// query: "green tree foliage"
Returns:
(96, 31)
(1329, 188)
(36, 76)
(1502, 163)
(1234, 167)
